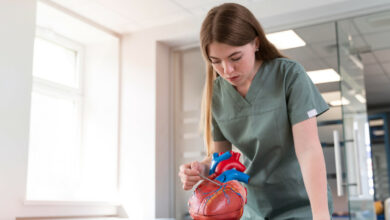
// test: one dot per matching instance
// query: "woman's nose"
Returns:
(227, 68)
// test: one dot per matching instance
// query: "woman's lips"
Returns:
(234, 78)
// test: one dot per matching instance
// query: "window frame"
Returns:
(53, 37)
(57, 90)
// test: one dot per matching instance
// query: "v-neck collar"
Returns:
(253, 90)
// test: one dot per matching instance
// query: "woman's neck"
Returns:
(243, 90)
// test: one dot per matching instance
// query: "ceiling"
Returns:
(126, 16)
(369, 34)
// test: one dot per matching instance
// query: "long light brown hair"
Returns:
(235, 25)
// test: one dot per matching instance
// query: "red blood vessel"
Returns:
(232, 162)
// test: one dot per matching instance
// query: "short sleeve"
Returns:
(304, 101)
(216, 132)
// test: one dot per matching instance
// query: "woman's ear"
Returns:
(257, 42)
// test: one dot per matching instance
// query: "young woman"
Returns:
(266, 106)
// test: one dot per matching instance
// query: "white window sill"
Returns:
(72, 203)
(72, 218)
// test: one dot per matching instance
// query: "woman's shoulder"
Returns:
(285, 66)
(285, 62)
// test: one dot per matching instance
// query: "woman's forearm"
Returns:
(207, 161)
(313, 170)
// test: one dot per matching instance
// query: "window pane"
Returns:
(55, 153)
(55, 63)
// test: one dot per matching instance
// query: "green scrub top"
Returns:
(260, 126)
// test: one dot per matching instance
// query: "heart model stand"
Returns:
(210, 201)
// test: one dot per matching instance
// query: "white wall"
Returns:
(17, 22)
(138, 127)
(164, 149)
(146, 185)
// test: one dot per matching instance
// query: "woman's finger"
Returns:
(188, 186)
(185, 167)
(191, 172)
(190, 178)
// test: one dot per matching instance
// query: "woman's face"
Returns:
(236, 64)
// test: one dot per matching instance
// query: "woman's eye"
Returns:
(236, 59)
(215, 62)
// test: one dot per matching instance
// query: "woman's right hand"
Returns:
(189, 173)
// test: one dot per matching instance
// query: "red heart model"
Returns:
(210, 201)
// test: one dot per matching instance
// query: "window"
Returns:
(73, 155)
(55, 152)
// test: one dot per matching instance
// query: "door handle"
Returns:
(337, 156)
(357, 162)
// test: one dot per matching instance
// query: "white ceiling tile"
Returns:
(332, 62)
(314, 64)
(126, 28)
(71, 4)
(189, 4)
(375, 80)
(325, 49)
(103, 15)
(208, 4)
(368, 58)
(55, 22)
(95, 12)
(347, 27)
(141, 10)
(317, 33)
(241, 2)
(358, 44)
(166, 19)
(386, 67)
(383, 55)
(378, 22)
(199, 12)
(301, 53)
(269, 8)
(200, 8)
(378, 41)
(373, 69)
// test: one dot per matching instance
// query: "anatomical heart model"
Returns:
(221, 196)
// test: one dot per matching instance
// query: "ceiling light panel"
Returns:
(343, 101)
(286, 40)
(331, 96)
(360, 98)
(324, 76)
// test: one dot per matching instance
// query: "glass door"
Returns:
(357, 183)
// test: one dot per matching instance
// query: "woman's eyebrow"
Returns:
(235, 53)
